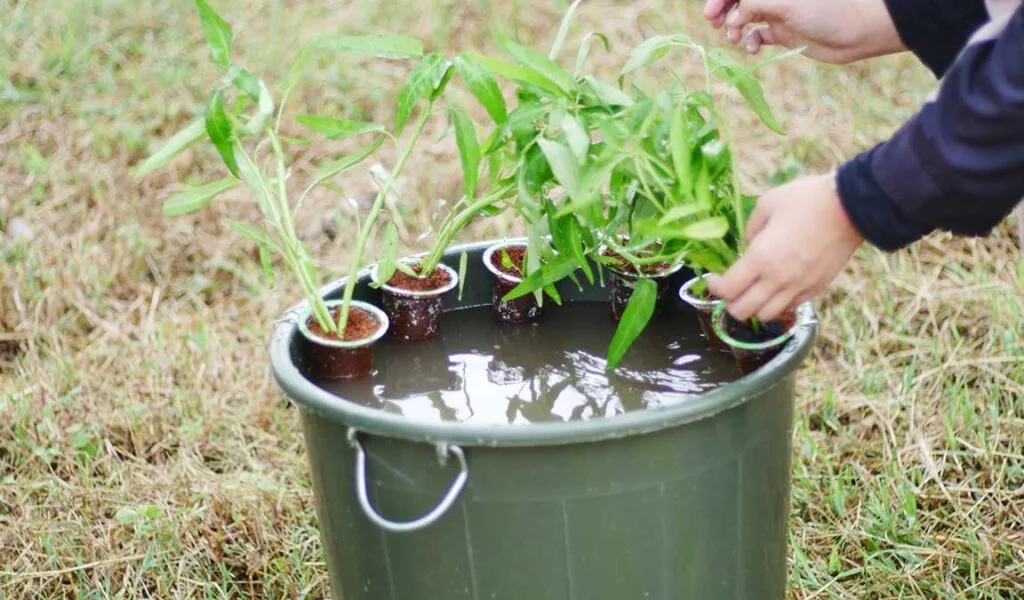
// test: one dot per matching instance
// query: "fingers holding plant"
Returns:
(805, 240)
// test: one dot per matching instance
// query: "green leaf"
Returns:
(337, 129)
(751, 91)
(732, 72)
(608, 94)
(546, 275)
(254, 235)
(463, 264)
(561, 161)
(679, 212)
(217, 31)
(584, 51)
(706, 260)
(423, 81)
(248, 83)
(538, 63)
(267, 265)
(577, 137)
(638, 313)
(707, 229)
(196, 198)
(653, 49)
(563, 31)
(388, 262)
(681, 152)
(264, 108)
(295, 71)
(483, 86)
(702, 187)
(522, 75)
(218, 127)
(570, 234)
(375, 46)
(506, 261)
(469, 150)
(347, 162)
(178, 143)
(249, 173)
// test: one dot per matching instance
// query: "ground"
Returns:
(145, 451)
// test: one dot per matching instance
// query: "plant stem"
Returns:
(371, 217)
(290, 244)
(454, 225)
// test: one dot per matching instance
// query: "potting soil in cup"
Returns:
(480, 371)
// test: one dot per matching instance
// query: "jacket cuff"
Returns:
(871, 211)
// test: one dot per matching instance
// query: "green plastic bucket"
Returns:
(684, 501)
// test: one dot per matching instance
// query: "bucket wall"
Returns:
(694, 511)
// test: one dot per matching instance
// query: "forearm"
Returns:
(879, 35)
(958, 165)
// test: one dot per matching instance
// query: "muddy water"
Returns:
(483, 372)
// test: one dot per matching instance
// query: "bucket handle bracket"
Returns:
(422, 522)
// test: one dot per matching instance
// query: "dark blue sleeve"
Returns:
(936, 30)
(958, 165)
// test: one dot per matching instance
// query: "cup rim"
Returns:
(453, 280)
(718, 317)
(671, 270)
(489, 253)
(687, 297)
(377, 313)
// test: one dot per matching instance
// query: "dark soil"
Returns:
(361, 325)
(744, 332)
(518, 256)
(624, 266)
(437, 280)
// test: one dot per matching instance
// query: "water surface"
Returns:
(483, 372)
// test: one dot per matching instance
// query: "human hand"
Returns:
(799, 238)
(836, 31)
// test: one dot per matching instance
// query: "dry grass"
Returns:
(144, 451)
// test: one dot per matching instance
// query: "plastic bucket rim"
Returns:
(316, 401)
(382, 318)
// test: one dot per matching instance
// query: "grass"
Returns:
(145, 452)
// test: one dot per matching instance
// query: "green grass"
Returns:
(145, 452)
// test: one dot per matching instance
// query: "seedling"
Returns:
(240, 122)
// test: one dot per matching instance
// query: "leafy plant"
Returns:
(492, 200)
(240, 122)
(614, 174)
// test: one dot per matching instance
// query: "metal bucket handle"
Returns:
(426, 520)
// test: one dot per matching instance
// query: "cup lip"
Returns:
(382, 319)
(718, 317)
(687, 297)
(453, 280)
(489, 253)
